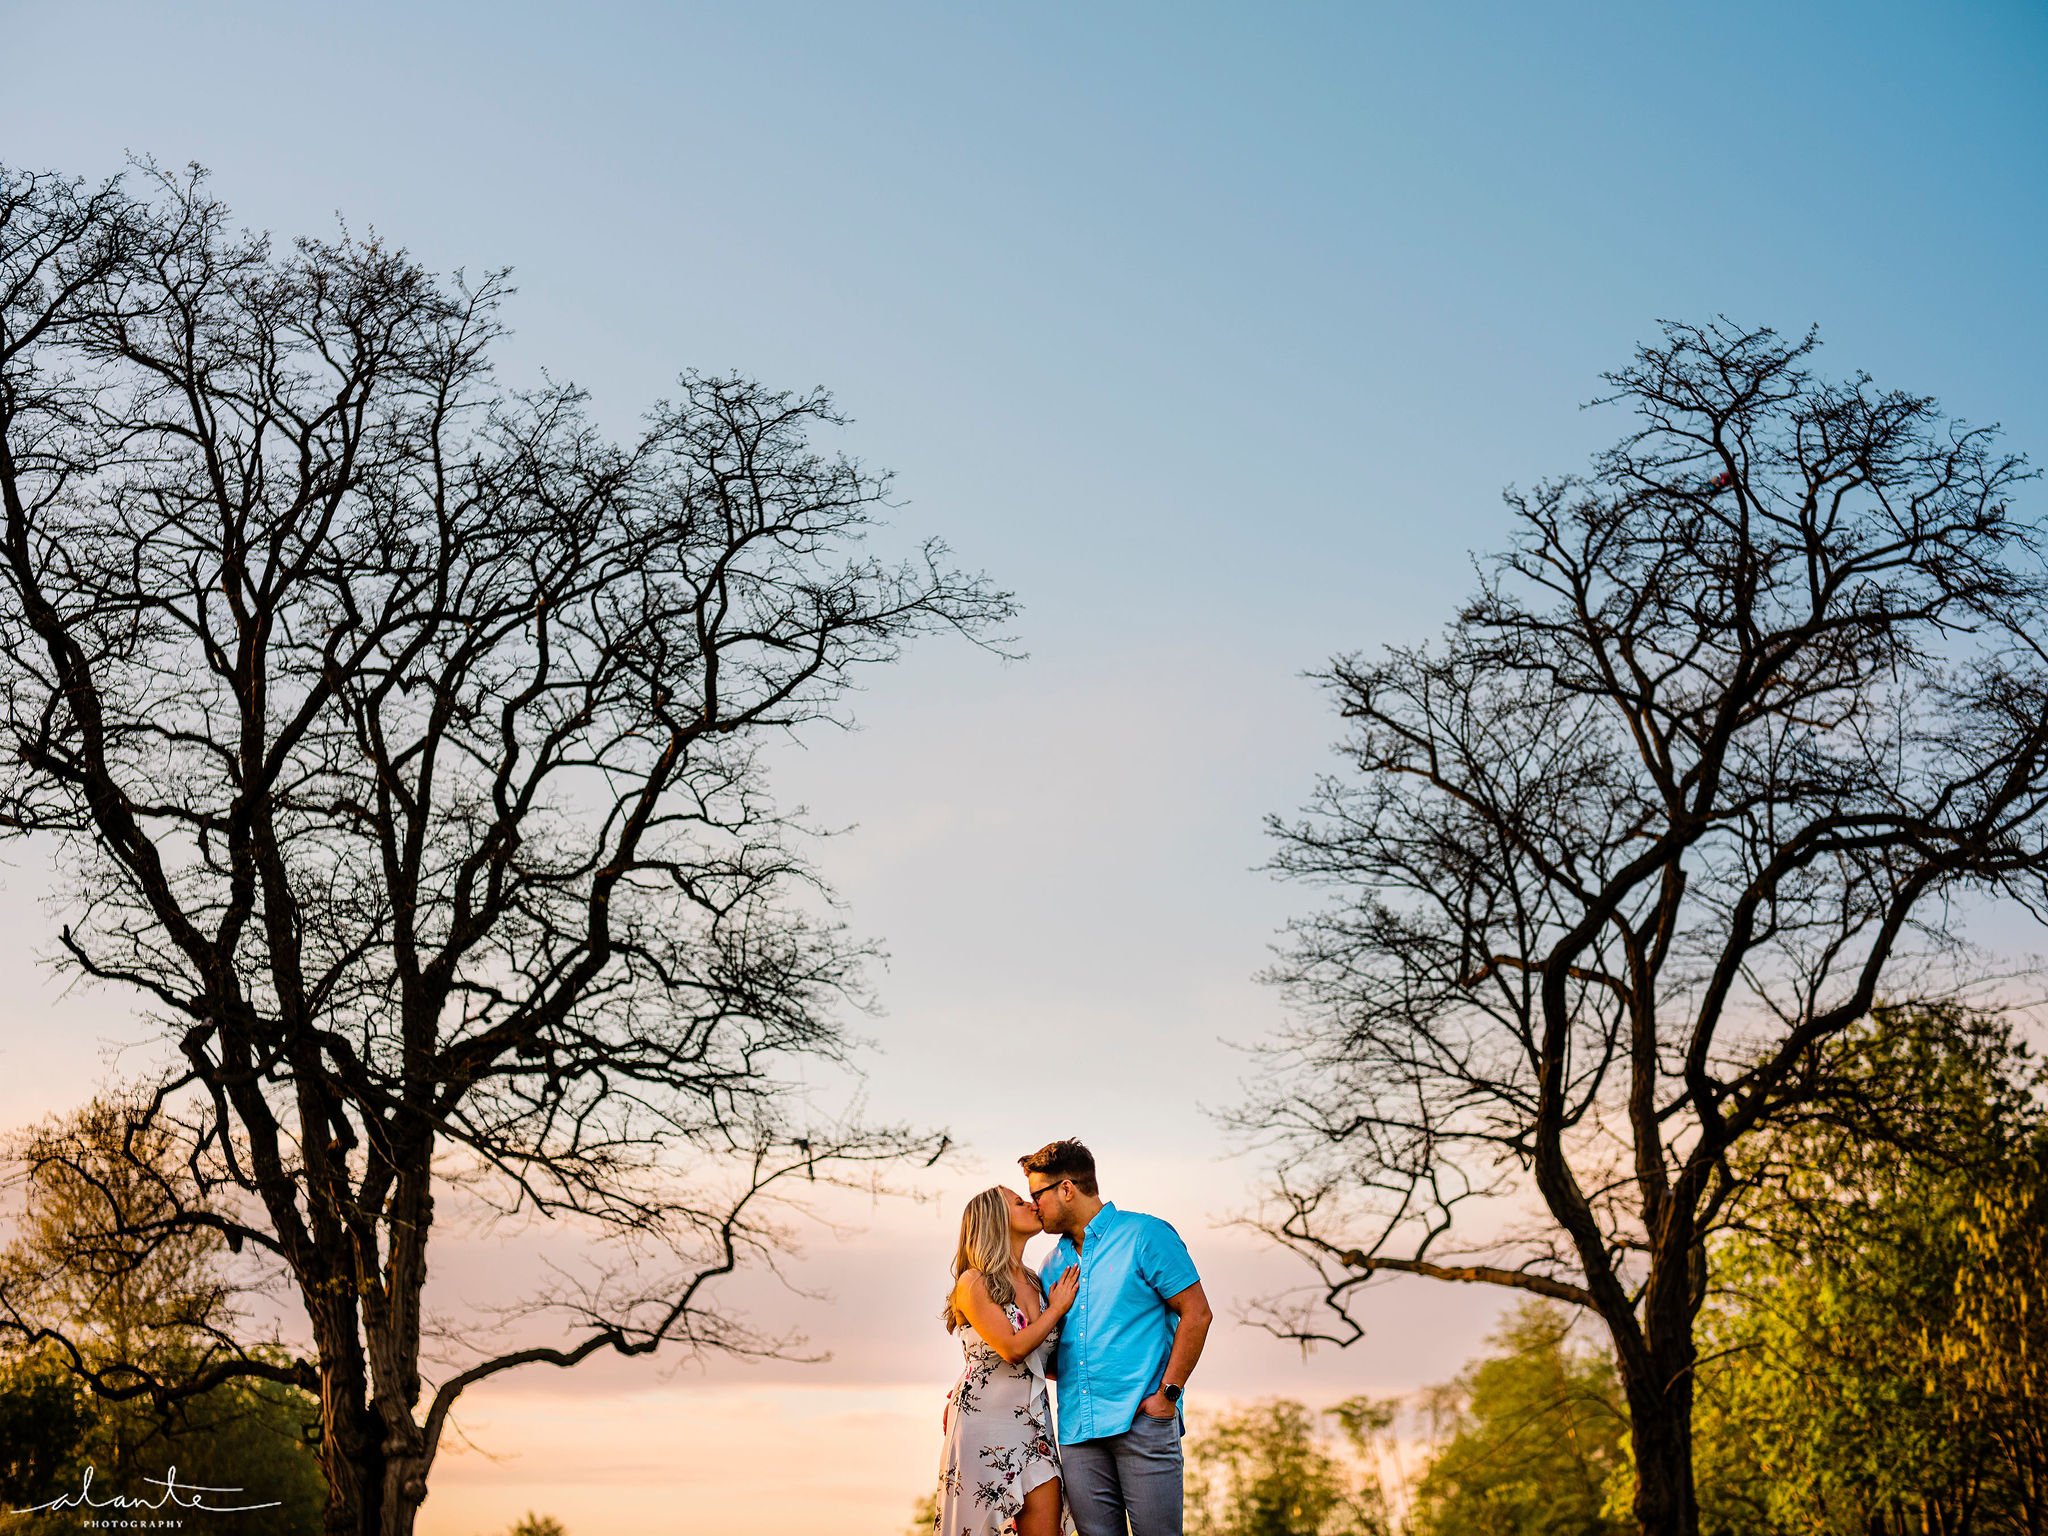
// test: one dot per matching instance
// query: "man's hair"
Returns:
(1063, 1160)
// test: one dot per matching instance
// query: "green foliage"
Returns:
(248, 1435)
(924, 1514)
(1873, 1353)
(1820, 1414)
(1273, 1470)
(1996, 1350)
(42, 1424)
(538, 1525)
(1530, 1439)
(92, 1262)
(258, 1436)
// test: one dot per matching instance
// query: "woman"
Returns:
(1001, 1472)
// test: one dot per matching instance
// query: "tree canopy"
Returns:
(1690, 783)
(400, 733)
(1276, 1468)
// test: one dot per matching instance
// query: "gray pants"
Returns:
(1134, 1476)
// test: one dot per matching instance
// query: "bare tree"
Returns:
(1712, 750)
(400, 734)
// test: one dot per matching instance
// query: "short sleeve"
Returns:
(1163, 1261)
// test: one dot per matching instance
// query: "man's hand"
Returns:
(1156, 1407)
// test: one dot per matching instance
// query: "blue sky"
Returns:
(1214, 331)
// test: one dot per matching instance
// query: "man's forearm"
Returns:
(1188, 1339)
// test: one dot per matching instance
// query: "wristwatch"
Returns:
(1171, 1392)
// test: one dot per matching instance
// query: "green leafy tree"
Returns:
(538, 1525)
(1531, 1440)
(1872, 1353)
(1278, 1469)
(98, 1269)
(114, 1295)
(43, 1419)
(1873, 1350)
(247, 1436)
(1997, 1345)
(1823, 1414)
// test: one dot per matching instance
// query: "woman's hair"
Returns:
(984, 1246)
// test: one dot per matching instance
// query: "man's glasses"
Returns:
(1039, 1194)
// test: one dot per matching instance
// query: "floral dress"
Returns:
(999, 1443)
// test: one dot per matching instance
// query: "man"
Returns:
(1125, 1352)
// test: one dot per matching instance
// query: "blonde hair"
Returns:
(984, 1246)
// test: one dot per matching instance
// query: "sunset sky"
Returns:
(1213, 331)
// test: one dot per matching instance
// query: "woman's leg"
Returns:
(1040, 1515)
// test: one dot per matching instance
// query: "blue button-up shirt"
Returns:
(1114, 1342)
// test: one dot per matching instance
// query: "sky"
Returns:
(1215, 332)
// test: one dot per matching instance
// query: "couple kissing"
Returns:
(1115, 1316)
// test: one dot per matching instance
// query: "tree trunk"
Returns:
(370, 1491)
(1660, 1428)
(351, 1457)
(405, 1489)
(351, 1434)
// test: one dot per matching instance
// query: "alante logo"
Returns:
(170, 1494)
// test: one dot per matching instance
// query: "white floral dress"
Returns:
(999, 1443)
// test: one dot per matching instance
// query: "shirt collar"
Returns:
(1101, 1221)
